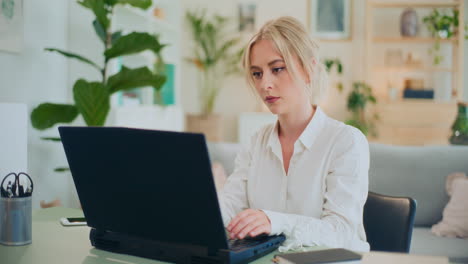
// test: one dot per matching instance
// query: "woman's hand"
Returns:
(249, 222)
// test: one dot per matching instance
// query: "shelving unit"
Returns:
(413, 121)
(146, 114)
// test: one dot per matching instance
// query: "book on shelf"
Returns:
(335, 255)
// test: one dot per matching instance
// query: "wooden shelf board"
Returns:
(411, 40)
(412, 69)
(425, 4)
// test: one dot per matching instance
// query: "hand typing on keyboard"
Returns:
(249, 223)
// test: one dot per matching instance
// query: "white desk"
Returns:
(56, 244)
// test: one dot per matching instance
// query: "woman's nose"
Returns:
(266, 83)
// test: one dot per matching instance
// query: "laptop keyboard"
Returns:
(238, 244)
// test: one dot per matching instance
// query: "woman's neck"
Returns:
(292, 125)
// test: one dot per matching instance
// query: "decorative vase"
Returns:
(460, 126)
(409, 23)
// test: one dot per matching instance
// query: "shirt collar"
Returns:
(310, 133)
(307, 137)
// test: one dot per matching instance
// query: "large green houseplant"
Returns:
(92, 98)
(215, 56)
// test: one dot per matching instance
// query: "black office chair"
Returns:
(388, 222)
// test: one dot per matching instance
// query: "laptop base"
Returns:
(175, 252)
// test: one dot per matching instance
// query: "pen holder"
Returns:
(15, 221)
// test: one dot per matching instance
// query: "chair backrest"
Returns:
(388, 222)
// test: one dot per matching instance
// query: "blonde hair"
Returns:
(292, 41)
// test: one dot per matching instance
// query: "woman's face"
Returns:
(273, 82)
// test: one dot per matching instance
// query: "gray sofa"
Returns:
(415, 171)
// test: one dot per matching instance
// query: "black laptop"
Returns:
(151, 194)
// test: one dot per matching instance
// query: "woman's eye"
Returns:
(257, 75)
(278, 69)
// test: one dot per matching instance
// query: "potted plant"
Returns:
(329, 63)
(92, 99)
(441, 26)
(358, 99)
(460, 126)
(215, 57)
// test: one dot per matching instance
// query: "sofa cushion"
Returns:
(455, 216)
(418, 172)
(425, 243)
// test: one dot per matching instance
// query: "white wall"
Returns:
(34, 76)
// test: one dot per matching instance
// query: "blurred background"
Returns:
(396, 72)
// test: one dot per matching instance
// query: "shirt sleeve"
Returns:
(345, 193)
(233, 197)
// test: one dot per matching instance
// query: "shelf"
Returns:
(422, 4)
(411, 40)
(412, 69)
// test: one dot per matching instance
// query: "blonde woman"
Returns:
(305, 176)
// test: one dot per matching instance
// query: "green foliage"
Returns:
(329, 63)
(133, 43)
(46, 115)
(75, 56)
(56, 139)
(461, 122)
(358, 99)
(460, 126)
(441, 26)
(99, 9)
(92, 101)
(92, 98)
(132, 78)
(215, 55)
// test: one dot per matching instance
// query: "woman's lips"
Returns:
(271, 99)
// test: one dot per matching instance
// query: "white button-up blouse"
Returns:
(320, 200)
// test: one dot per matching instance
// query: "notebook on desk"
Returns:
(151, 194)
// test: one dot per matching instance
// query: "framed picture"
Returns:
(247, 16)
(11, 25)
(330, 19)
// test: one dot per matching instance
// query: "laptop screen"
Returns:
(151, 184)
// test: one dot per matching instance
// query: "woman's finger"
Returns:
(242, 223)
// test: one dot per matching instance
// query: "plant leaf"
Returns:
(52, 138)
(133, 78)
(143, 4)
(92, 101)
(133, 43)
(61, 169)
(74, 56)
(100, 31)
(115, 36)
(99, 10)
(47, 115)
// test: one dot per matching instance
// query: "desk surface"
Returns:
(53, 243)
(56, 244)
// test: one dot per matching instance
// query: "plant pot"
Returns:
(210, 125)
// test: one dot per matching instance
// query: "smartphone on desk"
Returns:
(73, 221)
